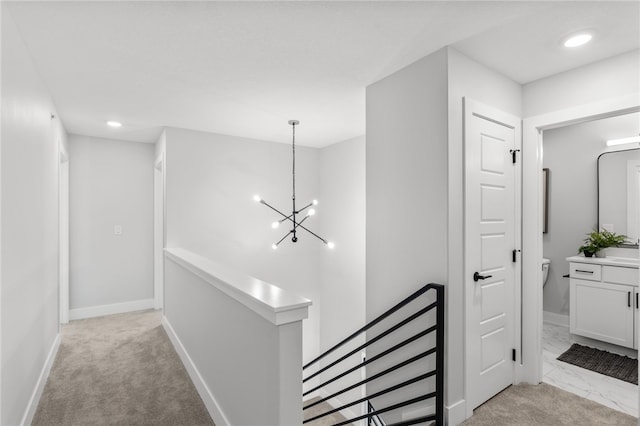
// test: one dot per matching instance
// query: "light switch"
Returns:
(117, 230)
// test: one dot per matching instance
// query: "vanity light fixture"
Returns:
(297, 224)
(623, 141)
(114, 124)
(577, 40)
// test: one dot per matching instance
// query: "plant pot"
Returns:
(601, 253)
(588, 254)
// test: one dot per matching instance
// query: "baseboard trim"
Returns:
(456, 413)
(556, 319)
(27, 418)
(214, 409)
(115, 308)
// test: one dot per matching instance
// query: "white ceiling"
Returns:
(246, 68)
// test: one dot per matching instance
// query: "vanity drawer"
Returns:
(585, 271)
(619, 275)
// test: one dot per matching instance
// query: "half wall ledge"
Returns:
(267, 300)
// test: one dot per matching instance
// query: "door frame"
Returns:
(63, 233)
(158, 231)
(633, 179)
(530, 369)
(470, 105)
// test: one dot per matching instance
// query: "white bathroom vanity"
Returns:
(604, 299)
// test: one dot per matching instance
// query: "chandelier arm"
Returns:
(304, 208)
(282, 239)
(285, 218)
(300, 223)
(314, 234)
(274, 209)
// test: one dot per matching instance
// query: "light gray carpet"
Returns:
(613, 365)
(544, 405)
(120, 369)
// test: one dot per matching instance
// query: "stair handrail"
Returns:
(438, 328)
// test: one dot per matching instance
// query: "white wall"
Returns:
(210, 183)
(29, 252)
(571, 154)
(609, 78)
(406, 169)
(111, 183)
(406, 186)
(342, 218)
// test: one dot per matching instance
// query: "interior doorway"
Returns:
(589, 190)
(533, 128)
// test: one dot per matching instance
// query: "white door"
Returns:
(491, 236)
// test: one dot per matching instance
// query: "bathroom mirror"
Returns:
(619, 193)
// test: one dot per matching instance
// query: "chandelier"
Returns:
(292, 219)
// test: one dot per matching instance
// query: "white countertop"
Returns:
(627, 262)
(271, 302)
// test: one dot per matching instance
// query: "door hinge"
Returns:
(514, 257)
(513, 154)
(513, 355)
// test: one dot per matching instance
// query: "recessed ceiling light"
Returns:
(114, 124)
(578, 40)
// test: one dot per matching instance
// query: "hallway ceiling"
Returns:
(246, 68)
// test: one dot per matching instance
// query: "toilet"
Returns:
(545, 271)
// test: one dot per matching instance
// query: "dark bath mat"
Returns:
(613, 365)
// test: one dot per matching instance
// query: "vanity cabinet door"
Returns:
(637, 310)
(602, 311)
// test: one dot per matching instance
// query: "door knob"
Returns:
(477, 276)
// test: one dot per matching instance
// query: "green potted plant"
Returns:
(598, 240)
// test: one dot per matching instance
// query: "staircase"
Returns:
(390, 372)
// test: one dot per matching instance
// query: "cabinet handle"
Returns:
(628, 299)
(584, 272)
(637, 300)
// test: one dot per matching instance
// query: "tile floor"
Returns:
(613, 393)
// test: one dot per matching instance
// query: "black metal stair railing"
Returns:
(421, 323)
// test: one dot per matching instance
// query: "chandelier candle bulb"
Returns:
(257, 198)
(275, 225)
